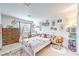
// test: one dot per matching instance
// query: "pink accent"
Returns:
(52, 39)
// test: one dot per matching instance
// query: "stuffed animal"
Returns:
(60, 39)
(56, 39)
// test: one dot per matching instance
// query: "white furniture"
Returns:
(8, 50)
(34, 44)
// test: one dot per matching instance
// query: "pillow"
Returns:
(48, 35)
(42, 35)
(45, 35)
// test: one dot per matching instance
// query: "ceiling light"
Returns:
(27, 4)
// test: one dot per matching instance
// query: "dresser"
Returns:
(10, 36)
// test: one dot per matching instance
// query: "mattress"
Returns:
(36, 43)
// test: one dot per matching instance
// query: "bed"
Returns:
(34, 44)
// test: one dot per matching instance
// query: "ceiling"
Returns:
(34, 11)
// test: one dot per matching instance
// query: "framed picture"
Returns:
(53, 23)
(68, 29)
(73, 29)
(46, 23)
(53, 28)
(61, 27)
(59, 20)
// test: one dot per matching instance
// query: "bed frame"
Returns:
(29, 50)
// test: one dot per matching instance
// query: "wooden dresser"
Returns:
(10, 35)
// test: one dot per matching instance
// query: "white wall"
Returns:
(78, 33)
(6, 20)
(68, 14)
(0, 34)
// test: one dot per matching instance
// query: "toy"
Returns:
(57, 41)
(72, 45)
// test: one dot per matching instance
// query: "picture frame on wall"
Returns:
(73, 29)
(53, 23)
(46, 23)
(53, 28)
(59, 21)
(68, 29)
(61, 27)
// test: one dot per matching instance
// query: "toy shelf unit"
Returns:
(72, 39)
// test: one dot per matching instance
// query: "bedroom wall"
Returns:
(6, 20)
(78, 33)
(68, 14)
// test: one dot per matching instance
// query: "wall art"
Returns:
(46, 23)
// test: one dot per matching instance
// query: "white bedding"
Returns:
(36, 43)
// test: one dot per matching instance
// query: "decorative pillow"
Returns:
(48, 35)
(42, 35)
(45, 35)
